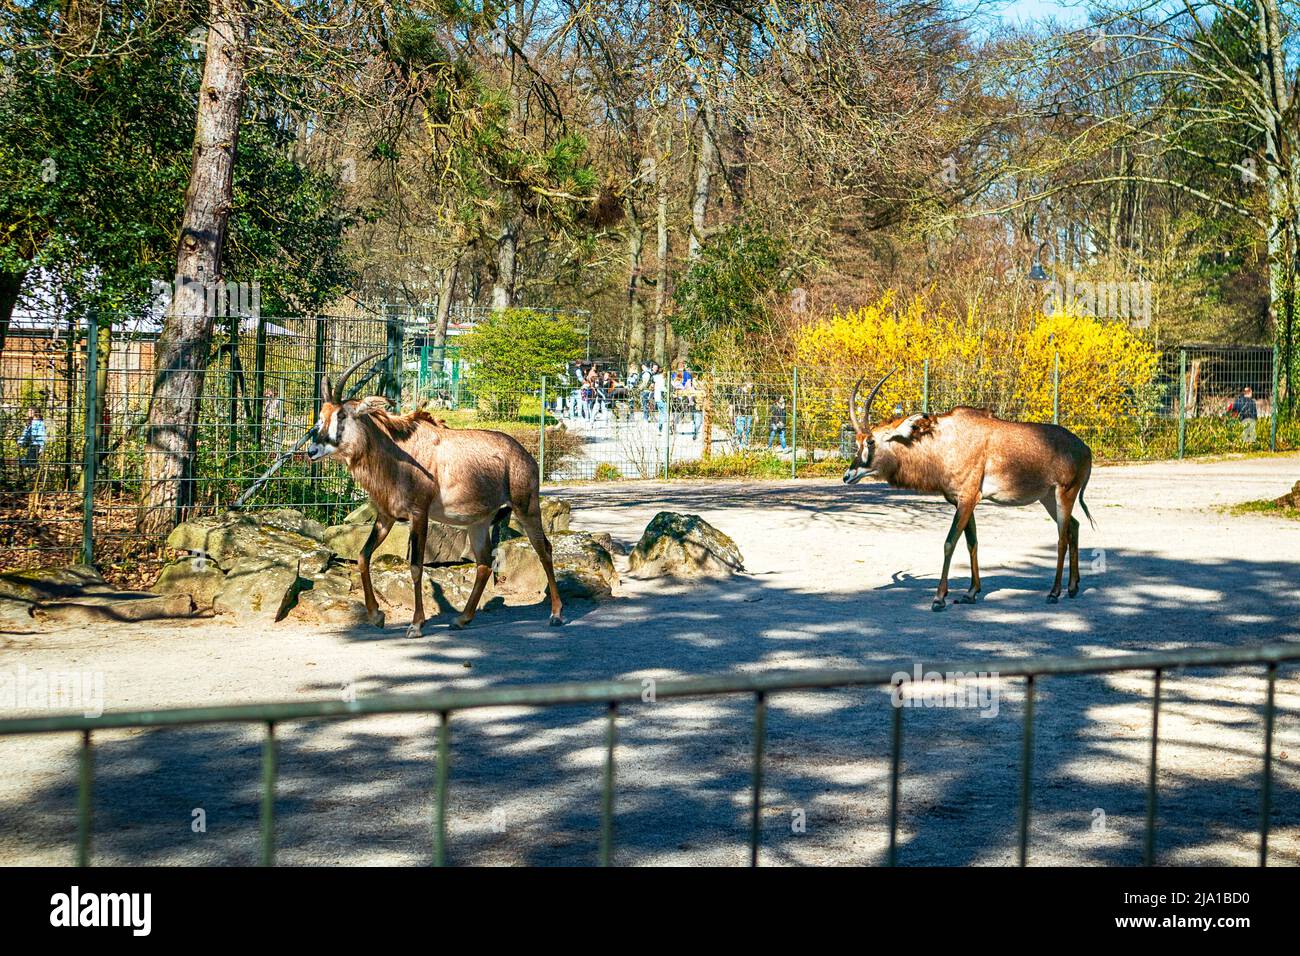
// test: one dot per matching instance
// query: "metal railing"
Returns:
(613, 693)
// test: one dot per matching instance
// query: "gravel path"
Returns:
(837, 577)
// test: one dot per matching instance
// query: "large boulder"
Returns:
(445, 545)
(556, 517)
(583, 565)
(443, 587)
(118, 606)
(684, 546)
(287, 519)
(200, 579)
(329, 609)
(46, 584)
(232, 537)
(260, 590)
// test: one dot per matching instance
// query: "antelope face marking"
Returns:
(863, 459)
(331, 429)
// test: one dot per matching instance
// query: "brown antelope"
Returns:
(415, 469)
(968, 456)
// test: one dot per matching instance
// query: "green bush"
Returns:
(511, 350)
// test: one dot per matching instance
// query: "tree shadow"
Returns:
(525, 783)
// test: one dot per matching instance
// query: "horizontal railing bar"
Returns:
(631, 691)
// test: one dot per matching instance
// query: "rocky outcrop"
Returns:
(259, 590)
(78, 595)
(684, 546)
(584, 567)
(229, 538)
(200, 579)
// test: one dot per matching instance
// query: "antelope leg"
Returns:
(959, 521)
(532, 523)
(479, 544)
(972, 545)
(378, 532)
(419, 535)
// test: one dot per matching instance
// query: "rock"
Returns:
(445, 545)
(322, 607)
(583, 566)
(116, 606)
(444, 587)
(684, 546)
(1291, 499)
(201, 580)
(314, 562)
(452, 586)
(44, 584)
(259, 590)
(556, 517)
(14, 611)
(286, 519)
(230, 538)
(365, 514)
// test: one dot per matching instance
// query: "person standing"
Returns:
(1243, 406)
(743, 412)
(32, 442)
(273, 418)
(776, 418)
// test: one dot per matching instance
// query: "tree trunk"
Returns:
(705, 158)
(445, 292)
(181, 355)
(635, 307)
(11, 287)
(661, 276)
(503, 285)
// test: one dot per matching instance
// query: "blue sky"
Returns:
(1066, 11)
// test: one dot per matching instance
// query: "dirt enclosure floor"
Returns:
(837, 577)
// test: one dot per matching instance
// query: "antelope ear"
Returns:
(326, 389)
(904, 430)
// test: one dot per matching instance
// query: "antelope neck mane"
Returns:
(398, 427)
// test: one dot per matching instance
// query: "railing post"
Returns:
(1149, 845)
(541, 436)
(756, 786)
(90, 463)
(1182, 401)
(607, 799)
(1027, 770)
(84, 800)
(794, 424)
(268, 796)
(895, 760)
(925, 386)
(1056, 387)
(1266, 788)
(440, 799)
(1274, 405)
(668, 421)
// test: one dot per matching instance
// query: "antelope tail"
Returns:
(499, 524)
(1084, 505)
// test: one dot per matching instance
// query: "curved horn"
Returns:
(864, 423)
(348, 372)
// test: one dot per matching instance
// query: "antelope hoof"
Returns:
(458, 624)
(1053, 598)
(967, 598)
(557, 620)
(375, 618)
(938, 604)
(1074, 591)
(415, 631)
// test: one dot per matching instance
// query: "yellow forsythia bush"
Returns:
(1001, 364)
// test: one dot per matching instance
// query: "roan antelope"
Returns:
(968, 456)
(416, 469)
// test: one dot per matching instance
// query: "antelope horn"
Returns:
(862, 424)
(348, 372)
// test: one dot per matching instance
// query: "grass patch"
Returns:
(1264, 508)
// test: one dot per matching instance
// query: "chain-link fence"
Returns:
(260, 397)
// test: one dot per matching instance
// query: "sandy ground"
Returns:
(837, 577)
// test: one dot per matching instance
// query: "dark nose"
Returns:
(313, 451)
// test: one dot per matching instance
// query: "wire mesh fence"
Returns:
(72, 410)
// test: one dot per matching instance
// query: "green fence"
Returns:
(79, 497)
(612, 695)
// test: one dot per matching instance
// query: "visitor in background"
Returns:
(776, 421)
(1243, 406)
(32, 443)
(743, 413)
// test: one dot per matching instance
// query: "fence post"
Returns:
(91, 461)
(1056, 387)
(925, 386)
(1274, 406)
(794, 425)
(1182, 401)
(668, 420)
(541, 436)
